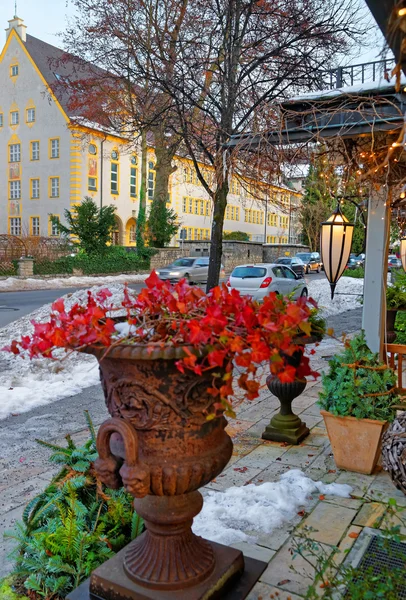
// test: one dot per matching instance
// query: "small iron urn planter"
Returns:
(286, 426)
(160, 446)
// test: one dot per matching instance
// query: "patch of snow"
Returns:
(14, 284)
(348, 294)
(380, 85)
(124, 329)
(25, 384)
(227, 516)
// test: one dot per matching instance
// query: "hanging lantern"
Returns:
(335, 244)
(403, 252)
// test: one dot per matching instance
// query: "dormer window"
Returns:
(14, 70)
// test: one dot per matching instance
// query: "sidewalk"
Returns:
(25, 471)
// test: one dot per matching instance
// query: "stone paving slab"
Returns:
(328, 522)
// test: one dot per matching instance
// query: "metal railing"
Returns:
(378, 70)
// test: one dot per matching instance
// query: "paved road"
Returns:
(14, 305)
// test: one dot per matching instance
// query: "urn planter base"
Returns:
(280, 429)
(230, 580)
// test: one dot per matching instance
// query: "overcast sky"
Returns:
(45, 18)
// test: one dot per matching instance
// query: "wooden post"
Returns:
(376, 268)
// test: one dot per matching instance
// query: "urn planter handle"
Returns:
(133, 475)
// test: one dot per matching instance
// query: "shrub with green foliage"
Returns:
(239, 236)
(358, 384)
(115, 260)
(396, 292)
(73, 526)
(358, 273)
(162, 224)
(400, 327)
(90, 225)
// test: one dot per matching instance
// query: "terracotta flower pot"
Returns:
(160, 446)
(356, 443)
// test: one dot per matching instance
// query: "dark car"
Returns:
(312, 261)
(295, 263)
(354, 262)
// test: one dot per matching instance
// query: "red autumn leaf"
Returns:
(353, 535)
(287, 375)
(322, 497)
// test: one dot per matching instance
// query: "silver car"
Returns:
(260, 279)
(194, 269)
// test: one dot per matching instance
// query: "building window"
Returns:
(34, 189)
(1, 119)
(54, 148)
(151, 180)
(272, 220)
(92, 184)
(34, 150)
(35, 226)
(114, 155)
(15, 153)
(54, 228)
(92, 149)
(54, 187)
(15, 190)
(14, 70)
(184, 204)
(15, 226)
(133, 182)
(114, 178)
(14, 117)
(132, 234)
(30, 115)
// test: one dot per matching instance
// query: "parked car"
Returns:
(295, 263)
(311, 260)
(354, 262)
(261, 279)
(394, 262)
(194, 269)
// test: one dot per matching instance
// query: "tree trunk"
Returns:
(164, 152)
(216, 244)
(140, 231)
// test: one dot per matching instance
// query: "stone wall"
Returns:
(273, 251)
(234, 253)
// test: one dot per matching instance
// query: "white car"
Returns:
(260, 279)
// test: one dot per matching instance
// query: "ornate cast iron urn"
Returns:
(160, 446)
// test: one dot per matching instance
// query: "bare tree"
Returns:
(234, 59)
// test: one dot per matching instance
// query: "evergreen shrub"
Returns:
(358, 384)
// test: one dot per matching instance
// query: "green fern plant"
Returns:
(73, 526)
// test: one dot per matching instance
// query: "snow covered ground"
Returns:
(25, 384)
(12, 284)
(258, 509)
(347, 295)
